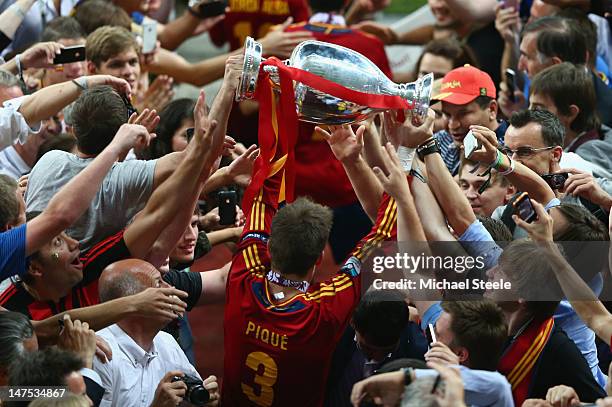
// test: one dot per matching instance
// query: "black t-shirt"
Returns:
(187, 281)
(562, 363)
(488, 46)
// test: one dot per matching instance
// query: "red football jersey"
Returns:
(278, 354)
(254, 18)
(318, 174)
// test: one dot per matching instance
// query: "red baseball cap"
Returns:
(462, 85)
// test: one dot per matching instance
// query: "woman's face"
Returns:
(179, 138)
(435, 64)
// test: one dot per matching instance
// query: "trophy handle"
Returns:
(418, 93)
(250, 70)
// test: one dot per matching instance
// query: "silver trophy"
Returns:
(337, 64)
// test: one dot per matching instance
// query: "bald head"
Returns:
(127, 277)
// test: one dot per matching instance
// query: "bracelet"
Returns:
(406, 155)
(429, 148)
(426, 142)
(509, 170)
(81, 82)
(498, 160)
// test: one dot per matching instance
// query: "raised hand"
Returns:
(541, 229)
(487, 153)
(78, 338)
(562, 396)
(241, 169)
(580, 183)
(507, 23)
(159, 302)
(406, 133)
(345, 144)
(440, 353)
(40, 55)
(131, 136)
(120, 85)
(158, 94)
(148, 118)
(395, 183)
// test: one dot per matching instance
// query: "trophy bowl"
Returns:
(337, 64)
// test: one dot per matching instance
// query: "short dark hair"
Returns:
(9, 205)
(170, 119)
(326, 5)
(496, 228)
(96, 116)
(450, 48)
(553, 132)
(478, 326)
(403, 363)
(63, 142)
(381, 316)
(483, 101)
(298, 235)
(558, 37)
(14, 329)
(583, 226)
(567, 84)
(532, 277)
(586, 27)
(63, 28)
(93, 14)
(48, 367)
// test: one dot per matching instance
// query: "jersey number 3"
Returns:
(266, 374)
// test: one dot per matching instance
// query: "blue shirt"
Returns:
(12, 252)
(450, 152)
(482, 388)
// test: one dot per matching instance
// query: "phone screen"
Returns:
(525, 210)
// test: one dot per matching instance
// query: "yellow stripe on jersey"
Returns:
(329, 293)
(382, 231)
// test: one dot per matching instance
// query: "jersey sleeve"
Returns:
(101, 255)
(339, 296)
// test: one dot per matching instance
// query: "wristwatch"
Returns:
(429, 147)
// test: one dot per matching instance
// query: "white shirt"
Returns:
(12, 164)
(13, 126)
(132, 376)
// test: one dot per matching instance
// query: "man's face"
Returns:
(66, 72)
(60, 263)
(179, 138)
(461, 117)
(10, 93)
(541, 162)
(441, 12)
(493, 196)
(124, 65)
(184, 250)
(436, 64)
(370, 351)
(541, 101)
(529, 61)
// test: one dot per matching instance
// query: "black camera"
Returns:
(556, 181)
(196, 393)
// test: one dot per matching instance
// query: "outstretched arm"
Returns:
(75, 197)
(583, 300)
(174, 201)
(347, 147)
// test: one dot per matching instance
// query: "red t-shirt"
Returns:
(278, 354)
(254, 18)
(318, 174)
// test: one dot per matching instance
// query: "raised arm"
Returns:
(177, 212)
(521, 177)
(583, 300)
(75, 197)
(347, 147)
(175, 199)
(48, 101)
(12, 17)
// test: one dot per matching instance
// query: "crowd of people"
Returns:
(114, 192)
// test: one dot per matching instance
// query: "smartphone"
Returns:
(511, 83)
(208, 8)
(556, 181)
(511, 3)
(227, 207)
(149, 36)
(75, 53)
(524, 209)
(470, 144)
(431, 335)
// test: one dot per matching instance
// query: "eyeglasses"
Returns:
(524, 151)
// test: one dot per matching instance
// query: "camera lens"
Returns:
(197, 395)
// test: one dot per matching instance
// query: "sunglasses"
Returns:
(524, 151)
